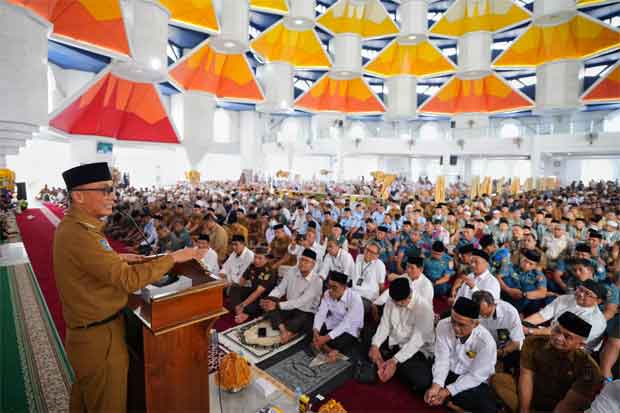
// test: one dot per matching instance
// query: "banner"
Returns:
(474, 189)
(515, 185)
(440, 189)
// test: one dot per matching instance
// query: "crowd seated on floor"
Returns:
(54, 195)
(498, 302)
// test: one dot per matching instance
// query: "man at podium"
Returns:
(94, 283)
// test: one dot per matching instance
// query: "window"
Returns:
(221, 126)
(510, 129)
(430, 131)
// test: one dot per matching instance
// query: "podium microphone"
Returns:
(136, 226)
(166, 279)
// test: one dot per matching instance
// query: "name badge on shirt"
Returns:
(471, 354)
(359, 282)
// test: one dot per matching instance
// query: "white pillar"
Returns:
(412, 16)
(301, 15)
(23, 73)
(474, 53)
(250, 143)
(234, 27)
(276, 80)
(198, 113)
(146, 23)
(401, 98)
(535, 159)
(558, 86)
(467, 169)
(347, 52)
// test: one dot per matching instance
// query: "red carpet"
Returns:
(38, 236)
(56, 210)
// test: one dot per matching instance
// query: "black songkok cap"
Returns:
(466, 249)
(86, 174)
(486, 240)
(438, 246)
(596, 234)
(416, 260)
(481, 254)
(595, 287)
(532, 255)
(238, 238)
(339, 277)
(400, 289)
(382, 228)
(468, 226)
(309, 254)
(575, 324)
(583, 247)
(278, 226)
(203, 237)
(467, 308)
(261, 250)
(311, 224)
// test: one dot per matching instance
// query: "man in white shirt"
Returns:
(369, 274)
(303, 289)
(210, 259)
(336, 259)
(421, 286)
(403, 342)
(503, 322)
(340, 318)
(465, 357)
(312, 243)
(584, 303)
(238, 261)
(480, 278)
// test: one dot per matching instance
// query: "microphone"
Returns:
(166, 279)
(135, 224)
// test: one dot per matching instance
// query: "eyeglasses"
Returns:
(372, 252)
(108, 190)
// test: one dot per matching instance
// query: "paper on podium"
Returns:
(151, 291)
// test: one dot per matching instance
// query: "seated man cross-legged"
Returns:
(302, 288)
(402, 345)
(465, 357)
(340, 318)
(255, 283)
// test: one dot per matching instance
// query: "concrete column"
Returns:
(23, 73)
(250, 143)
(467, 169)
(535, 159)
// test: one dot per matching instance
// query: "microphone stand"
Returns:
(166, 279)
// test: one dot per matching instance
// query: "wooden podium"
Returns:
(168, 341)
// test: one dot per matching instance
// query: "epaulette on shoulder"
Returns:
(86, 225)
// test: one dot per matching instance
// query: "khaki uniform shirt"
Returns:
(555, 373)
(279, 247)
(93, 280)
(218, 240)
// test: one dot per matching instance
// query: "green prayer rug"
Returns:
(35, 375)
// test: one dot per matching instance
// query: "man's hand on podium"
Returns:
(188, 254)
